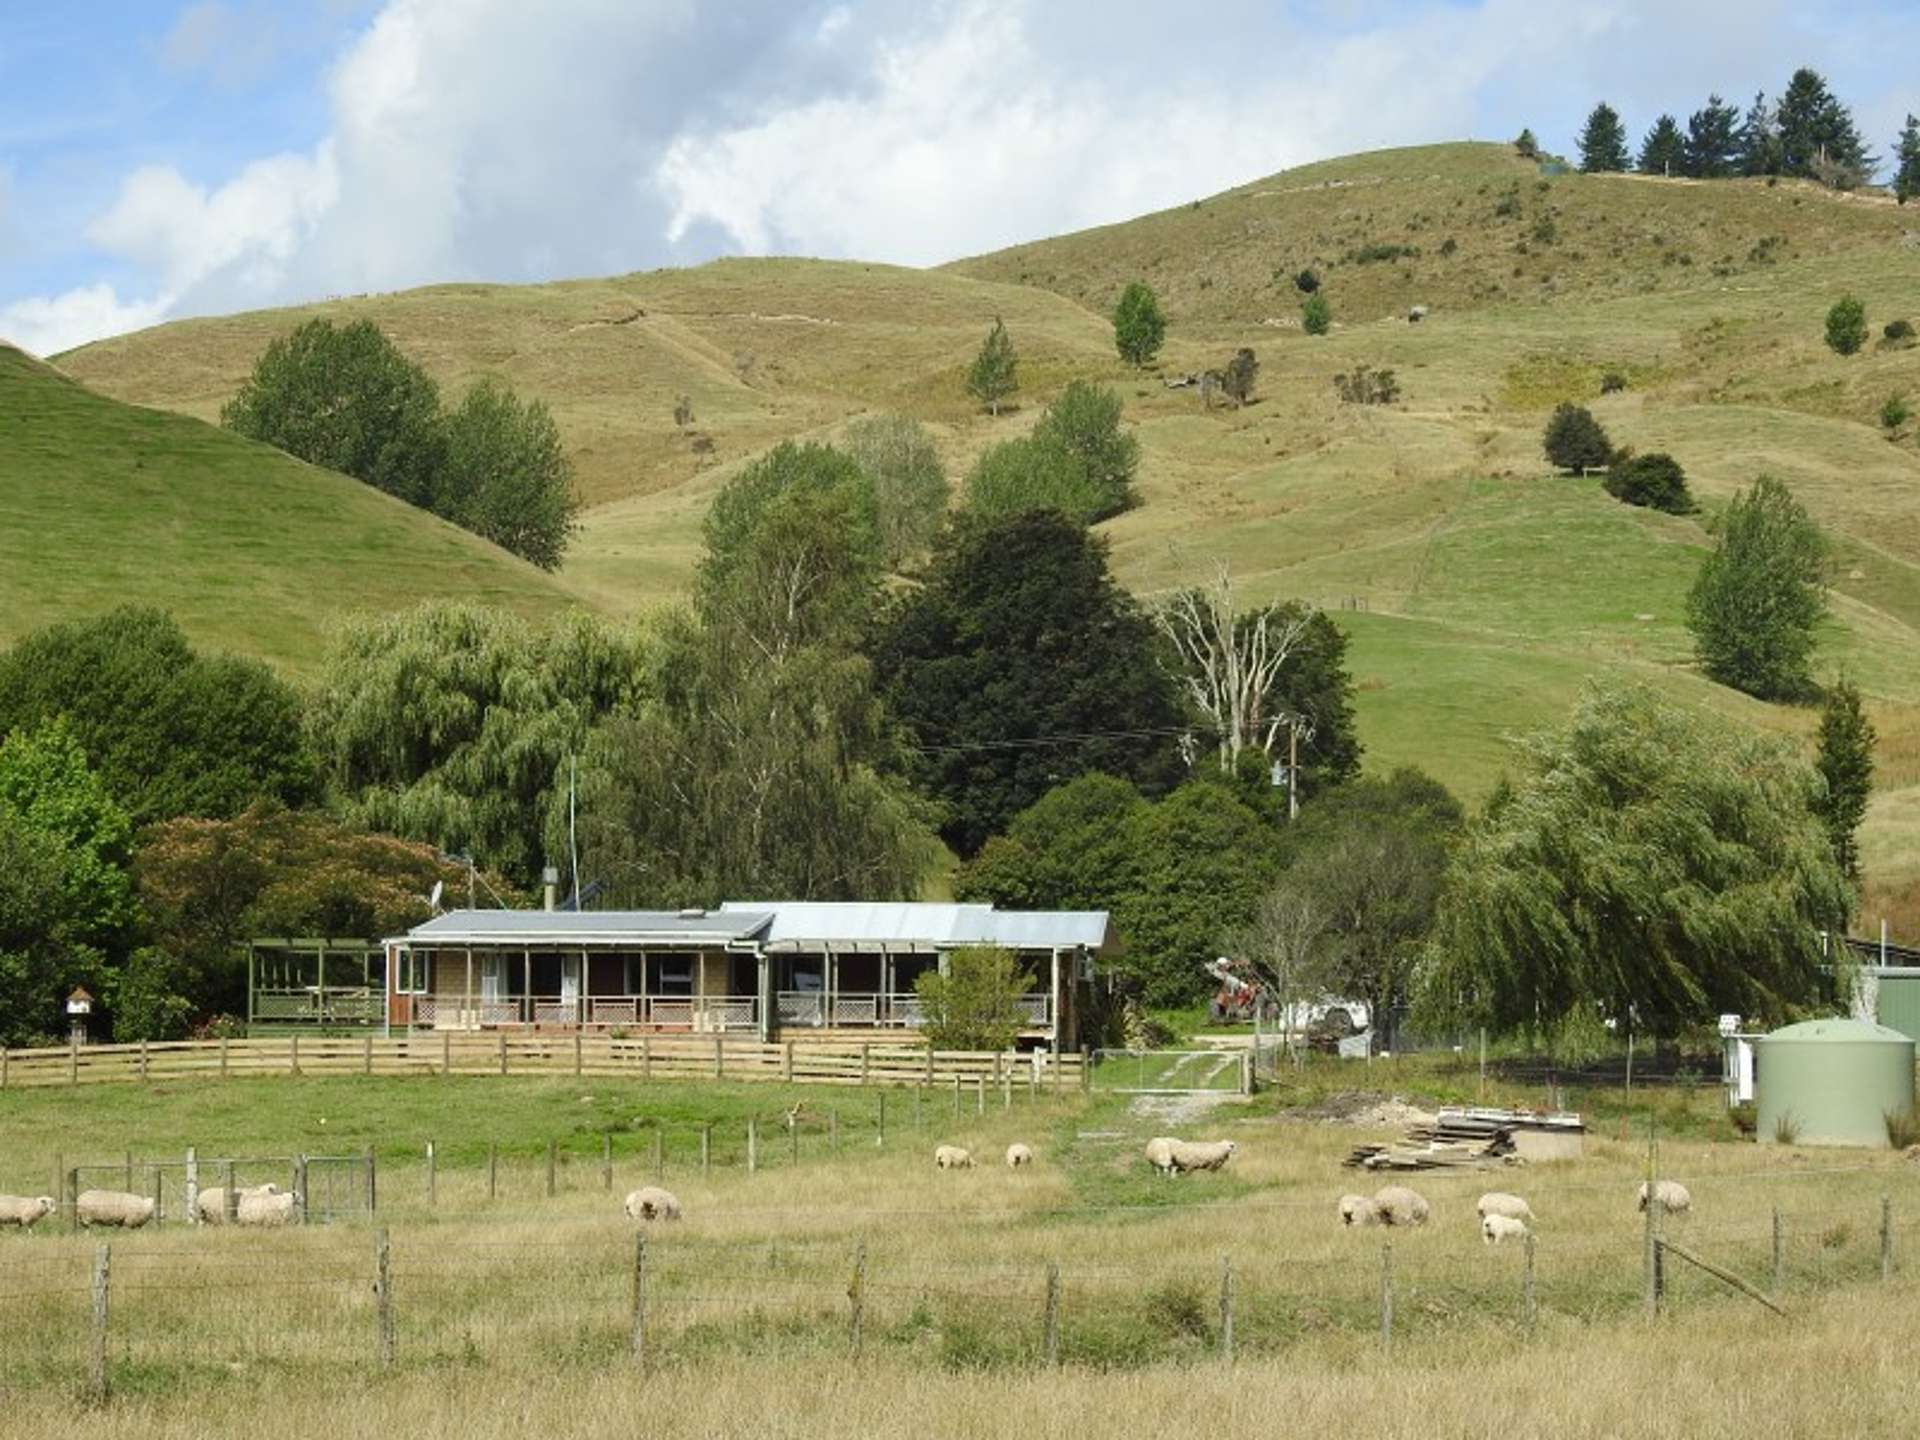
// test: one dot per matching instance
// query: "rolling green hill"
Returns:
(106, 503)
(1479, 588)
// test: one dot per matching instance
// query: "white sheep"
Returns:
(1358, 1210)
(1160, 1153)
(211, 1204)
(268, 1205)
(650, 1202)
(1673, 1196)
(1498, 1202)
(18, 1210)
(952, 1157)
(1400, 1206)
(1018, 1155)
(1202, 1154)
(113, 1207)
(1496, 1228)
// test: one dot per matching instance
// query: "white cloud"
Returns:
(46, 326)
(234, 47)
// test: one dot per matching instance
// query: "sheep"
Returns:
(113, 1207)
(268, 1205)
(1358, 1210)
(1673, 1197)
(18, 1210)
(1416, 314)
(650, 1202)
(1160, 1153)
(1496, 1228)
(952, 1157)
(1400, 1206)
(211, 1204)
(1498, 1202)
(1202, 1154)
(1018, 1155)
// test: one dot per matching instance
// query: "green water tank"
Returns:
(1837, 1081)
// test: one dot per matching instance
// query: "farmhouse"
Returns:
(749, 967)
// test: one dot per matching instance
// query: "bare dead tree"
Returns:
(1228, 662)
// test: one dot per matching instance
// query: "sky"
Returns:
(162, 159)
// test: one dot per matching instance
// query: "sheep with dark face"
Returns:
(1358, 1211)
(1400, 1206)
(650, 1203)
(1496, 1228)
(1019, 1156)
(952, 1157)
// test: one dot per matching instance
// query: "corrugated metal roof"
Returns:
(798, 923)
(560, 927)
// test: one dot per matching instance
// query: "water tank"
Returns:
(1835, 1081)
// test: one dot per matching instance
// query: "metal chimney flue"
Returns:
(550, 881)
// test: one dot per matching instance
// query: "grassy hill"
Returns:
(251, 550)
(1480, 589)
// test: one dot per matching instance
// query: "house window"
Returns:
(410, 972)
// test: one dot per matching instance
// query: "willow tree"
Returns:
(452, 724)
(1655, 866)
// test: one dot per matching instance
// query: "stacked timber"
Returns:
(1474, 1139)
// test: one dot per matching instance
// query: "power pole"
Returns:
(1293, 770)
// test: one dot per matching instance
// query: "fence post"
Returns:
(366, 1054)
(606, 1161)
(159, 1191)
(956, 1093)
(979, 1094)
(753, 1145)
(578, 1062)
(880, 1131)
(1886, 1237)
(857, 1295)
(230, 1199)
(431, 1178)
(143, 1059)
(1779, 1252)
(1653, 1254)
(1528, 1310)
(646, 1057)
(70, 1188)
(553, 1147)
(193, 1186)
(301, 1187)
(786, 1062)
(503, 1052)
(866, 1059)
(446, 1053)
(637, 1338)
(1386, 1296)
(223, 1057)
(127, 1183)
(73, 1059)
(719, 1058)
(1226, 1308)
(293, 1053)
(706, 1149)
(373, 1187)
(383, 1295)
(97, 1368)
(493, 1169)
(659, 1155)
(1052, 1330)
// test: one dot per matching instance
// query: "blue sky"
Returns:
(164, 158)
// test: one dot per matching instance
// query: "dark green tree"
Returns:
(1845, 762)
(1063, 852)
(506, 477)
(1525, 146)
(1603, 141)
(1759, 150)
(1818, 138)
(1664, 151)
(1906, 161)
(992, 377)
(1846, 326)
(1316, 315)
(1018, 663)
(1759, 597)
(1713, 141)
(1655, 481)
(1138, 326)
(909, 482)
(346, 398)
(170, 732)
(1574, 440)
(1657, 864)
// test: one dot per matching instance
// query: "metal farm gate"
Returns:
(1170, 1072)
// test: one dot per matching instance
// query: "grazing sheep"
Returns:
(1496, 1228)
(1358, 1210)
(113, 1207)
(1018, 1155)
(1400, 1206)
(1202, 1154)
(1160, 1153)
(18, 1210)
(1672, 1195)
(1416, 314)
(652, 1203)
(1498, 1202)
(952, 1157)
(268, 1205)
(211, 1204)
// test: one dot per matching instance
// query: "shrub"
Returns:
(1898, 330)
(1377, 254)
(1367, 386)
(1574, 440)
(1758, 599)
(1449, 245)
(1508, 205)
(1306, 282)
(1545, 232)
(1316, 316)
(975, 1003)
(1655, 481)
(1612, 383)
(1846, 325)
(1526, 147)
(1239, 376)
(1894, 412)
(1903, 1128)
